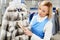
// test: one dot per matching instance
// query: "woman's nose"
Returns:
(40, 11)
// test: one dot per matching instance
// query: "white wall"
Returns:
(56, 3)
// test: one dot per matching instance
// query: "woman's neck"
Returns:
(42, 18)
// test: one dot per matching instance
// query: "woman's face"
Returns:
(43, 11)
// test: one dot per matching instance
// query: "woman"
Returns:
(41, 25)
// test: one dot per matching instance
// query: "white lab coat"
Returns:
(47, 29)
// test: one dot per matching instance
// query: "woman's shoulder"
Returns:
(34, 19)
(49, 23)
(48, 26)
(35, 16)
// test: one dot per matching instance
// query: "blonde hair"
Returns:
(49, 5)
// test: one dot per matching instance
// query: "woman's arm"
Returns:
(48, 30)
(33, 36)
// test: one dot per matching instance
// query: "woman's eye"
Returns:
(43, 10)
(39, 8)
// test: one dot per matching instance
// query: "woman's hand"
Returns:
(27, 32)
